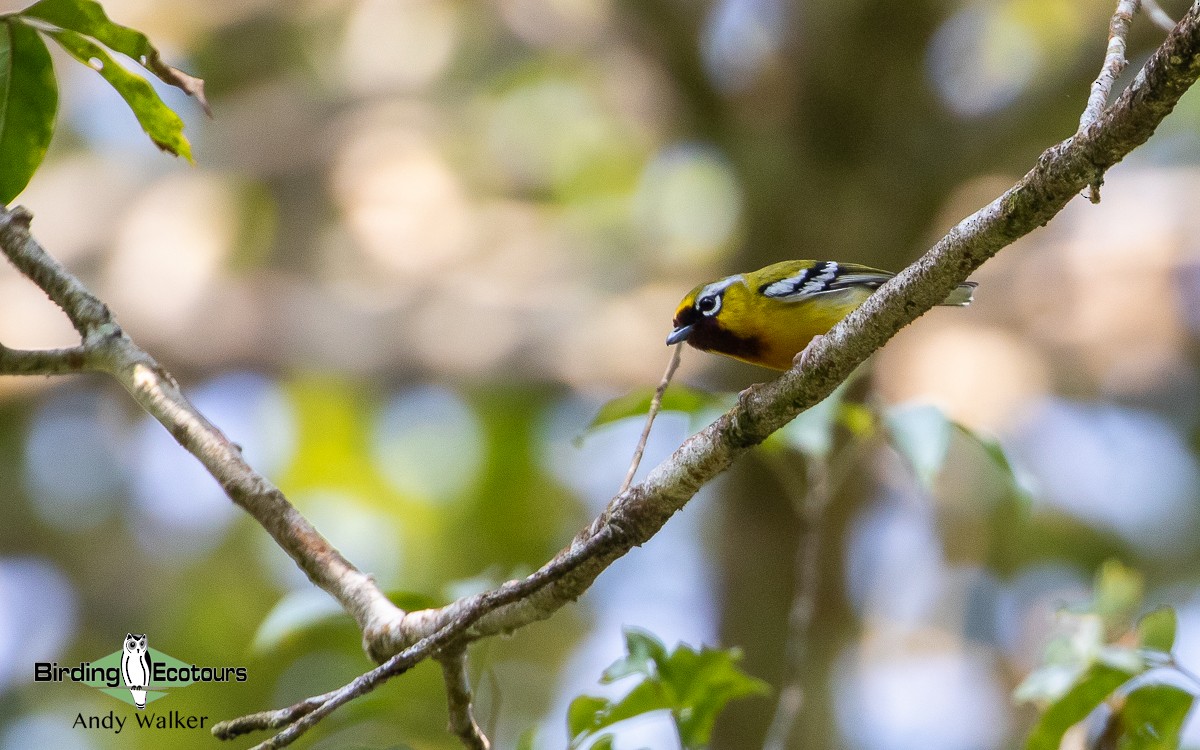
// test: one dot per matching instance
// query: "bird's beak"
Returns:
(680, 334)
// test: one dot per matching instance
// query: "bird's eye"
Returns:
(708, 305)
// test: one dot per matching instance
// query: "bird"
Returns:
(770, 316)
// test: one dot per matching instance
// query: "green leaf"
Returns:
(921, 434)
(646, 698)
(645, 655)
(712, 679)
(527, 738)
(859, 419)
(676, 398)
(1156, 631)
(584, 715)
(1047, 684)
(603, 742)
(1092, 687)
(1153, 717)
(693, 685)
(28, 102)
(304, 610)
(1118, 593)
(999, 458)
(589, 714)
(88, 18)
(294, 614)
(812, 431)
(158, 120)
(1123, 658)
(411, 601)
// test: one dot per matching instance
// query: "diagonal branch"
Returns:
(635, 515)
(401, 640)
(106, 348)
(1061, 172)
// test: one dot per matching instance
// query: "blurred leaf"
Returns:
(295, 613)
(995, 451)
(412, 601)
(859, 419)
(1047, 684)
(28, 102)
(921, 434)
(603, 742)
(527, 737)
(158, 120)
(1122, 657)
(301, 611)
(1156, 631)
(811, 432)
(1152, 718)
(485, 581)
(1118, 593)
(676, 398)
(88, 18)
(1089, 690)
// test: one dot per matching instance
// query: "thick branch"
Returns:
(1061, 173)
(635, 515)
(106, 348)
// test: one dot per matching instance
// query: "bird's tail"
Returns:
(139, 697)
(962, 294)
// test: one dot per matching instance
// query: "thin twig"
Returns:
(1114, 63)
(637, 514)
(228, 730)
(44, 362)
(823, 478)
(655, 405)
(458, 698)
(809, 507)
(497, 702)
(467, 612)
(1061, 172)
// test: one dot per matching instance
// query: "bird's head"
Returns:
(700, 311)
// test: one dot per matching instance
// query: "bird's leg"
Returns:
(801, 359)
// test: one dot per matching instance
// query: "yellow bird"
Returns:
(767, 317)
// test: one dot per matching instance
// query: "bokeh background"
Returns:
(424, 240)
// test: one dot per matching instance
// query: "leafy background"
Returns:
(425, 241)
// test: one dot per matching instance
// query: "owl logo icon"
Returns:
(135, 667)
